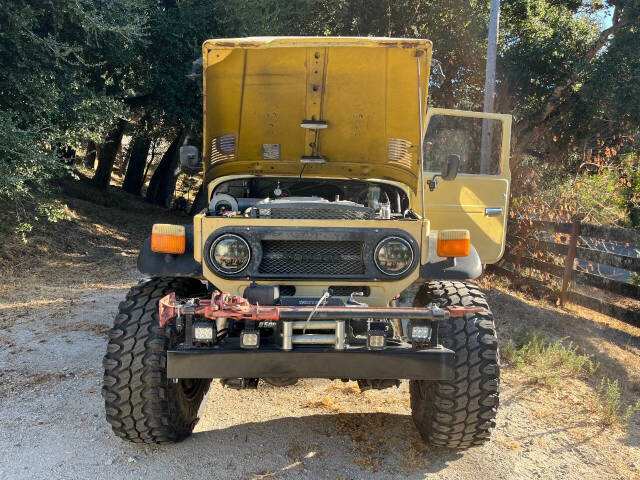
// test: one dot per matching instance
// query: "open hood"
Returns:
(337, 106)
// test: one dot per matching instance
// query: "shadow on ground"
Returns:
(385, 444)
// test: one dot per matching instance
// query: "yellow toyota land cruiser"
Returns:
(332, 188)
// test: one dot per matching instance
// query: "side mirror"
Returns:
(189, 157)
(451, 167)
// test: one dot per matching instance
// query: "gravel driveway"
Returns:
(52, 420)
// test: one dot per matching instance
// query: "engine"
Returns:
(311, 207)
(308, 199)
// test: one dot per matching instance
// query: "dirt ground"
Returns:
(54, 315)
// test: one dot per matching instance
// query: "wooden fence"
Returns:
(552, 248)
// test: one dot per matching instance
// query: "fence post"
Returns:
(569, 260)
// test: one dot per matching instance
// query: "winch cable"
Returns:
(323, 299)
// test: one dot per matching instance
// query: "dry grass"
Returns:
(344, 389)
(45, 377)
(6, 321)
(562, 364)
(93, 249)
(558, 378)
(367, 432)
(569, 418)
(326, 403)
(614, 345)
(416, 455)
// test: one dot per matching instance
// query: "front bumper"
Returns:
(353, 363)
(282, 356)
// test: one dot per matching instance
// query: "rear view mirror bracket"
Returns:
(449, 172)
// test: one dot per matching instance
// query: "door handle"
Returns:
(491, 212)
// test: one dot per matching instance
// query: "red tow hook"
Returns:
(223, 305)
(220, 305)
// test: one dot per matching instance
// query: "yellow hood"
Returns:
(359, 95)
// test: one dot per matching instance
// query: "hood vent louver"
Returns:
(223, 147)
(401, 152)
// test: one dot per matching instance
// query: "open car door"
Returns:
(477, 200)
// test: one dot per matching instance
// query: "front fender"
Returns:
(169, 265)
(457, 268)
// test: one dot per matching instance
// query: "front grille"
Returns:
(314, 212)
(294, 257)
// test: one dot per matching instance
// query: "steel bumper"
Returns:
(353, 363)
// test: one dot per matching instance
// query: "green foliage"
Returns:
(630, 177)
(570, 88)
(62, 66)
(548, 191)
(610, 407)
(549, 361)
(596, 198)
(242, 18)
(542, 41)
(27, 164)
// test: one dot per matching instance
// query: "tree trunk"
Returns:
(107, 155)
(200, 202)
(163, 181)
(138, 153)
(90, 155)
(69, 155)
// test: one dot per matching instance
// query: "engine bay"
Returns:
(309, 198)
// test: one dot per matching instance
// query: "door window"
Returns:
(478, 141)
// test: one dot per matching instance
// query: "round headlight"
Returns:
(393, 256)
(230, 253)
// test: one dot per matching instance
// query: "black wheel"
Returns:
(459, 413)
(141, 404)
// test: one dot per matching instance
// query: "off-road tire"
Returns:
(141, 404)
(459, 413)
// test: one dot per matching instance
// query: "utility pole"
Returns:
(490, 85)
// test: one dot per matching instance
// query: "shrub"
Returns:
(547, 192)
(610, 407)
(549, 361)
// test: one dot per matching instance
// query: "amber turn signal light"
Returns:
(168, 238)
(453, 243)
